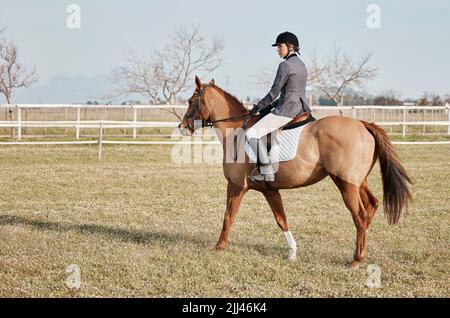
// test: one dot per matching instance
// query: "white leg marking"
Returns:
(292, 246)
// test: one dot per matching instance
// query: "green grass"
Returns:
(139, 225)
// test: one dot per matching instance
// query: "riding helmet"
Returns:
(286, 37)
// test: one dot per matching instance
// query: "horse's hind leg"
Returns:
(351, 195)
(234, 199)
(273, 197)
(369, 200)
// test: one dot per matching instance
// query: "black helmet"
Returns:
(286, 37)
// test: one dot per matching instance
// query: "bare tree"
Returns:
(336, 73)
(423, 101)
(12, 73)
(446, 99)
(436, 100)
(432, 99)
(389, 97)
(137, 77)
(170, 71)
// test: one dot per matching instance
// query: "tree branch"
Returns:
(337, 73)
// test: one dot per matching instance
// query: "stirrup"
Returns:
(261, 177)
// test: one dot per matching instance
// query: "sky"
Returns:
(411, 48)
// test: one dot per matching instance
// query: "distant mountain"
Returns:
(63, 89)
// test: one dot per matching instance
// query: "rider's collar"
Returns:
(289, 56)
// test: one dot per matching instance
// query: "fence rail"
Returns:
(100, 142)
(102, 125)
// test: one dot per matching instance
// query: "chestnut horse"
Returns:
(343, 148)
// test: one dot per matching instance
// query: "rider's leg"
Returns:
(254, 134)
(265, 167)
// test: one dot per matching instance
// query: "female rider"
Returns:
(290, 81)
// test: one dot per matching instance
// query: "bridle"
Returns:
(207, 123)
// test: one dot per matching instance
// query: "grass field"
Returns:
(137, 224)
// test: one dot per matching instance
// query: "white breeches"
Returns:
(266, 125)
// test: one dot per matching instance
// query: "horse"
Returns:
(343, 148)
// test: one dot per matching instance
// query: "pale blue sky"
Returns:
(411, 49)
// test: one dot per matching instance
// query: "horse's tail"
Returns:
(396, 194)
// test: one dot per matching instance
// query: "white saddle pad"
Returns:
(284, 146)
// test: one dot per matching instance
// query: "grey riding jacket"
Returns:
(290, 83)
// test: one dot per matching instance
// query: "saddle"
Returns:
(287, 139)
(298, 121)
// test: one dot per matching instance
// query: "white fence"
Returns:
(391, 116)
(18, 124)
(402, 117)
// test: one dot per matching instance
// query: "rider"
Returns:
(290, 81)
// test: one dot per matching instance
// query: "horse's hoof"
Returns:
(355, 263)
(292, 256)
(220, 247)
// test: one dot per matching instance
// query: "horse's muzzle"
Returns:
(184, 131)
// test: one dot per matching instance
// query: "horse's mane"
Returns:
(233, 98)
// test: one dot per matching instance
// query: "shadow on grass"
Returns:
(124, 235)
(120, 234)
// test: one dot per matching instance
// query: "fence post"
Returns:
(77, 128)
(134, 122)
(19, 122)
(404, 122)
(423, 119)
(448, 117)
(100, 140)
(66, 119)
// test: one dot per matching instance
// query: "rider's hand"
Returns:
(254, 110)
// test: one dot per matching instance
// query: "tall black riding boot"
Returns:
(266, 172)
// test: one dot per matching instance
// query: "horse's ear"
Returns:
(197, 82)
(212, 82)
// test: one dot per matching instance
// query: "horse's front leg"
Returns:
(273, 197)
(234, 198)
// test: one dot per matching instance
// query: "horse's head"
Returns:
(197, 114)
